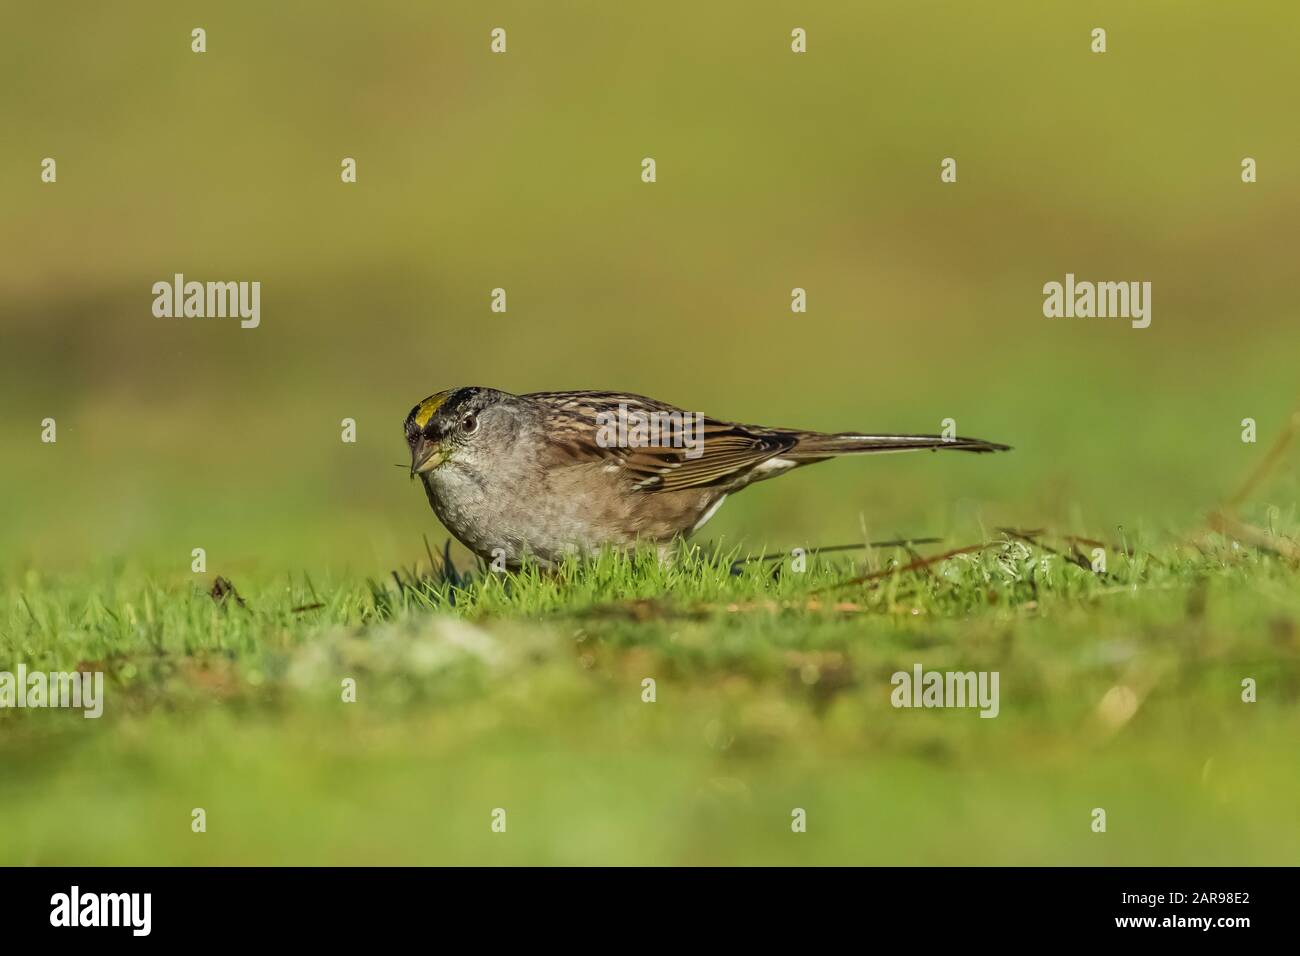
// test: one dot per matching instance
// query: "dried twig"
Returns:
(1266, 464)
(1074, 558)
(1224, 521)
(1256, 537)
(914, 566)
(896, 543)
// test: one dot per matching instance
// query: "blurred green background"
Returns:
(775, 170)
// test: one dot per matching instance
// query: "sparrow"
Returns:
(549, 474)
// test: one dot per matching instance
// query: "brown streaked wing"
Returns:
(729, 450)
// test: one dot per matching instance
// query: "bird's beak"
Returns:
(426, 456)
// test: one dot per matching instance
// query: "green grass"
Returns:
(772, 692)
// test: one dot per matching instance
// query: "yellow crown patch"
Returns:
(430, 405)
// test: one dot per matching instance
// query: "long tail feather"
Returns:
(814, 445)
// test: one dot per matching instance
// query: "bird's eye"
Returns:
(469, 424)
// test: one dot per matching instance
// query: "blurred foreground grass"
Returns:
(772, 693)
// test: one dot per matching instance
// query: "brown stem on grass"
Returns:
(914, 566)
(1265, 466)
